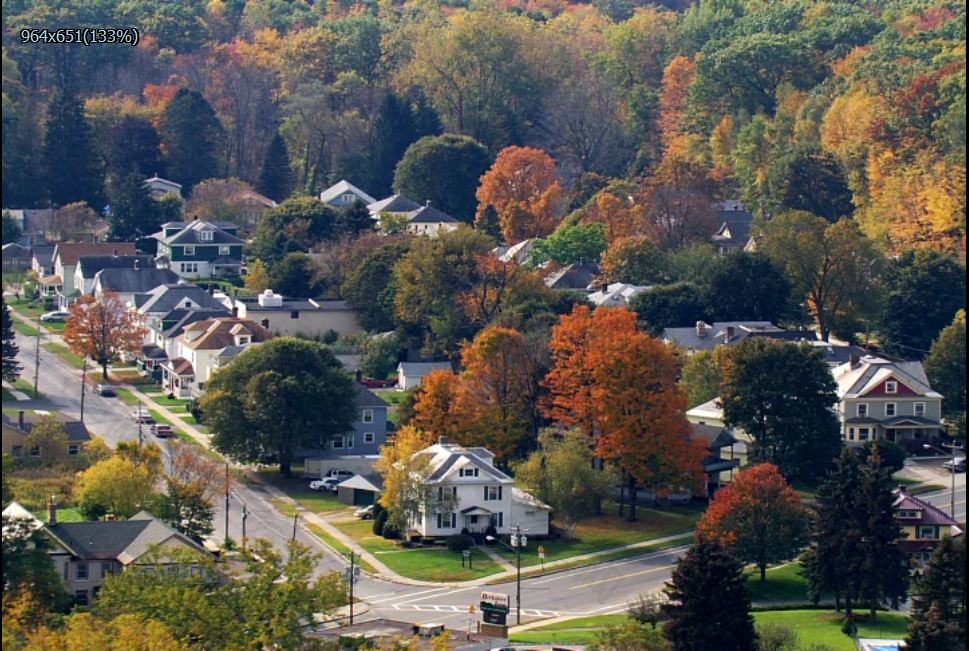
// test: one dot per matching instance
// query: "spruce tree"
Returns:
(709, 602)
(939, 601)
(11, 369)
(276, 175)
(393, 131)
(72, 163)
(134, 212)
(191, 134)
(878, 571)
(354, 220)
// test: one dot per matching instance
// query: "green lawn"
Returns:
(783, 584)
(298, 488)
(6, 395)
(436, 564)
(25, 329)
(26, 308)
(65, 354)
(824, 627)
(165, 401)
(582, 630)
(610, 531)
(128, 397)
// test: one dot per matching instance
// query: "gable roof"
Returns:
(44, 254)
(70, 252)
(422, 369)
(90, 265)
(189, 235)
(134, 281)
(445, 458)
(931, 515)
(575, 276)
(14, 250)
(367, 399)
(429, 215)
(616, 294)
(178, 319)
(344, 187)
(859, 376)
(398, 203)
(219, 332)
(76, 431)
(704, 336)
(734, 228)
(122, 540)
(165, 298)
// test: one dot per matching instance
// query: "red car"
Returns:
(374, 383)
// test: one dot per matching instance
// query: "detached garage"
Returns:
(360, 490)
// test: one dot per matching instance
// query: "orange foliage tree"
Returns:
(524, 188)
(442, 407)
(758, 517)
(502, 387)
(619, 384)
(102, 329)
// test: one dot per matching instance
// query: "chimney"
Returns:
(235, 311)
(701, 329)
(20, 419)
(137, 264)
(730, 333)
(853, 361)
(264, 323)
(901, 489)
(443, 440)
(114, 252)
(195, 218)
(52, 511)
(428, 203)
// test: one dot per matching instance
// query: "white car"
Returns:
(55, 317)
(366, 513)
(326, 484)
(339, 474)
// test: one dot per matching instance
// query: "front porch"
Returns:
(178, 377)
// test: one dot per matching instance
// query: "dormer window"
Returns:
(891, 387)
(349, 197)
(205, 235)
(243, 340)
(468, 472)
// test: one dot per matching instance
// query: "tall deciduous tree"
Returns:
(116, 486)
(354, 220)
(571, 244)
(523, 186)
(74, 170)
(192, 135)
(709, 602)
(939, 600)
(758, 517)
(441, 408)
(946, 365)
(561, 473)
(669, 306)
(445, 171)
(375, 310)
(193, 483)
(828, 265)
(11, 369)
(294, 225)
(781, 395)
(102, 329)
(407, 495)
(747, 287)
(276, 176)
(274, 399)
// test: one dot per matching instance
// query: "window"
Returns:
(35, 451)
(81, 598)
(472, 519)
(348, 198)
(189, 250)
(80, 572)
(206, 235)
(890, 409)
(909, 514)
(18, 451)
(367, 416)
(863, 433)
(851, 433)
(501, 518)
(224, 249)
(492, 493)
(106, 570)
(73, 449)
(368, 437)
(920, 409)
(447, 520)
(349, 440)
(294, 314)
(926, 532)
(891, 387)
(338, 442)
(862, 410)
(890, 434)
(190, 267)
(468, 472)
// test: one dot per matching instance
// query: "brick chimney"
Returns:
(264, 323)
(853, 361)
(52, 511)
(730, 333)
(701, 329)
(20, 419)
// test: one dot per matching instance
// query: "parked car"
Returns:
(366, 513)
(105, 390)
(162, 431)
(142, 416)
(327, 484)
(374, 383)
(339, 474)
(58, 316)
(955, 465)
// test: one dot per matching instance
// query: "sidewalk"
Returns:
(18, 395)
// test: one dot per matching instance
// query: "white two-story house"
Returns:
(483, 496)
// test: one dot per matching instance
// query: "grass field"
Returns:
(65, 354)
(25, 329)
(582, 630)
(783, 584)
(824, 627)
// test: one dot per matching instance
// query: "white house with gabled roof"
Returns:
(484, 496)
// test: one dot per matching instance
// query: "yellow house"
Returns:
(923, 527)
(16, 433)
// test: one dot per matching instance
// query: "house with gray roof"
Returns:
(200, 249)
(344, 194)
(312, 318)
(127, 283)
(16, 433)
(398, 205)
(579, 275)
(89, 266)
(67, 256)
(704, 336)
(412, 374)
(882, 400)
(428, 220)
(480, 495)
(733, 233)
(85, 553)
(16, 257)
(369, 433)
(159, 187)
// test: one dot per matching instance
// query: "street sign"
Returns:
(541, 553)
(495, 602)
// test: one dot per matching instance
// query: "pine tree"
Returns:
(354, 220)
(939, 601)
(276, 175)
(191, 134)
(11, 369)
(393, 131)
(878, 571)
(71, 161)
(709, 603)
(134, 213)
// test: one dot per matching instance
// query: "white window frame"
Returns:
(891, 409)
(891, 387)
(369, 437)
(350, 441)
(206, 235)
(861, 410)
(468, 472)
(933, 532)
(225, 249)
(492, 493)
(864, 433)
(366, 416)
(188, 249)
(919, 409)
(79, 575)
(447, 520)
(338, 443)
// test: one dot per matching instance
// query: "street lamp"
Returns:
(952, 473)
(517, 541)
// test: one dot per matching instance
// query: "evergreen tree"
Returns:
(134, 213)
(489, 224)
(191, 134)
(391, 134)
(134, 147)
(709, 603)
(878, 571)
(354, 220)
(72, 165)
(11, 369)
(276, 176)
(11, 229)
(939, 602)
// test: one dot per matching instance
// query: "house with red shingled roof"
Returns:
(923, 526)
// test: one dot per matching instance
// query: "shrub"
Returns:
(391, 532)
(848, 626)
(776, 637)
(892, 454)
(379, 522)
(491, 531)
(459, 542)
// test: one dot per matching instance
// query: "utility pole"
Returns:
(37, 361)
(351, 579)
(245, 516)
(295, 522)
(226, 544)
(83, 385)
(518, 540)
